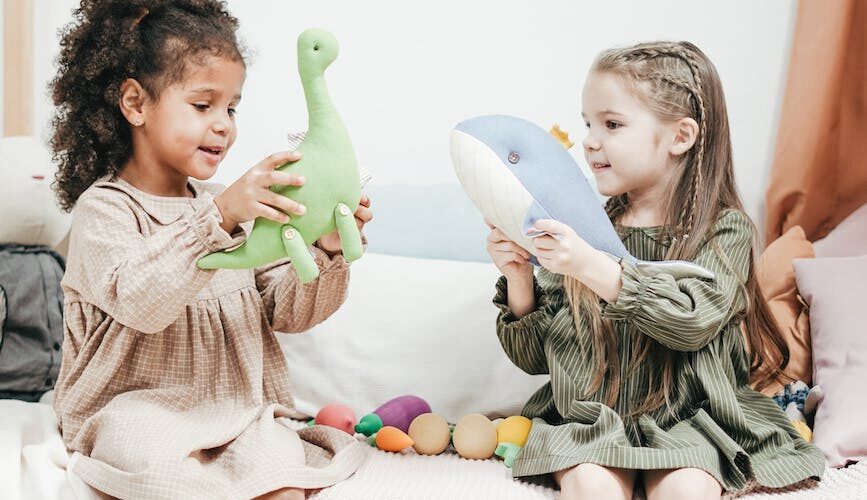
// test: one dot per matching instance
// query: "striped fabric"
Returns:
(717, 422)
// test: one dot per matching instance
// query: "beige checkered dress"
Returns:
(719, 424)
(173, 384)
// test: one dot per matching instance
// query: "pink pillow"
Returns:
(834, 289)
(848, 239)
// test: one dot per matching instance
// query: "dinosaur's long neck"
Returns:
(322, 118)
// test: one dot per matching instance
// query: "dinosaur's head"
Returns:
(317, 49)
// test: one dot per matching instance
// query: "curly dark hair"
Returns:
(109, 41)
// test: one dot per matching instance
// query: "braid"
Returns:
(695, 90)
(699, 163)
(677, 80)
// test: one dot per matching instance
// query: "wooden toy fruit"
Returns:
(338, 416)
(512, 435)
(475, 437)
(431, 434)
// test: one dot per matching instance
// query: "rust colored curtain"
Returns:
(819, 175)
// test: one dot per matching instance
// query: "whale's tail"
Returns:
(676, 268)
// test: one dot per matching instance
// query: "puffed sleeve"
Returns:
(686, 314)
(142, 281)
(523, 339)
(294, 307)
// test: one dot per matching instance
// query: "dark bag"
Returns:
(31, 320)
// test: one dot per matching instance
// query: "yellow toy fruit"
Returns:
(430, 433)
(514, 430)
(803, 429)
(475, 437)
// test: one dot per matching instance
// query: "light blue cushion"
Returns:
(434, 221)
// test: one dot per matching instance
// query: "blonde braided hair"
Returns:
(676, 80)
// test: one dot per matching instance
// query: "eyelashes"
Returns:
(205, 107)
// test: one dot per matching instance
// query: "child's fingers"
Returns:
(283, 203)
(545, 242)
(512, 248)
(363, 215)
(550, 226)
(281, 178)
(493, 237)
(365, 201)
(279, 159)
(519, 250)
(496, 235)
(275, 215)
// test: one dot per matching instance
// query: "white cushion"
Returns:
(410, 326)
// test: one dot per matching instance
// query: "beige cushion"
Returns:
(776, 278)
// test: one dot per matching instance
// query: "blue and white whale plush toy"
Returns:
(516, 173)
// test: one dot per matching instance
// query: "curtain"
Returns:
(819, 174)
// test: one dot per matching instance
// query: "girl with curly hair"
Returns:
(172, 383)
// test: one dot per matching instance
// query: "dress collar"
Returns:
(164, 209)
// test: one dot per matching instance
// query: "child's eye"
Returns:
(233, 111)
(611, 125)
(587, 124)
(201, 107)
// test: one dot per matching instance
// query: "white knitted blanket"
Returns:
(390, 476)
(33, 462)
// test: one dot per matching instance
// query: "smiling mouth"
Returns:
(597, 166)
(213, 151)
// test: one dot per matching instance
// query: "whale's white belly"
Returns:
(492, 187)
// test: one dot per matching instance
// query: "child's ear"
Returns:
(132, 97)
(686, 132)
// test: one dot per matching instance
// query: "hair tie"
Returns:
(141, 16)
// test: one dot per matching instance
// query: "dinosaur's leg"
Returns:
(305, 266)
(350, 238)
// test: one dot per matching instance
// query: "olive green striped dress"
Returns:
(717, 422)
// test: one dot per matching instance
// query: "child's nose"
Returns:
(590, 143)
(221, 125)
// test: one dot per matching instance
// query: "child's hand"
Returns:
(508, 256)
(330, 242)
(561, 250)
(249, 196)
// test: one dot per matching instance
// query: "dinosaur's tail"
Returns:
(239, 258)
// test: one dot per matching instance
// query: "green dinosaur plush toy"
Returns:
(332, 191)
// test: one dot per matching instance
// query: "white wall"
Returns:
(407, 73)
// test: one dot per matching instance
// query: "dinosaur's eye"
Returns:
(316, 47)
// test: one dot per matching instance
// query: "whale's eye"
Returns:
(514, 158)
(316, 47)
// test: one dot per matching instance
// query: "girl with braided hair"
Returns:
(172, 383)
(651, 377)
